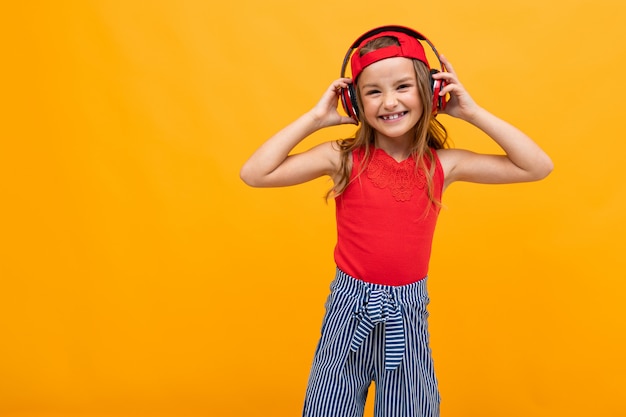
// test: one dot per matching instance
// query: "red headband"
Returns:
(409, 47)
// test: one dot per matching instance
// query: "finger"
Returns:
(337, 87)
(452, 89)
(449, 83)
(448, 66)
(448, 77)
(341, 83)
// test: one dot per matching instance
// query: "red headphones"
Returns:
(410, 47)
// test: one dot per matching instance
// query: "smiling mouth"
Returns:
(394, 116)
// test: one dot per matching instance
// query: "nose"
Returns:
(390, 100)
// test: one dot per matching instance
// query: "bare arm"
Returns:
(523, 160)
(271, 165)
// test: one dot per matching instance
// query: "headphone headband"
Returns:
(389, 28)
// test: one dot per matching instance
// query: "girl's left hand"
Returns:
(460, 104)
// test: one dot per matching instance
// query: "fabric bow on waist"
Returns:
(380, 307)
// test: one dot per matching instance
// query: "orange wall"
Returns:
(140, 277)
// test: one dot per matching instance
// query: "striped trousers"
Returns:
(373, 333)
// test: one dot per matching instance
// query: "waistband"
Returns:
(415, 292)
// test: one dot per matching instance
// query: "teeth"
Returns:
(392, 117)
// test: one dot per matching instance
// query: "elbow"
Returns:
(248, 176)
(543, 169)
(548, 166)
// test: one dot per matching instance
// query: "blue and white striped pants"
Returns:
(378, 333)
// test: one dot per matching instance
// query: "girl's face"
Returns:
(390, 98)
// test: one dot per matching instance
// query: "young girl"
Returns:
(388, 182)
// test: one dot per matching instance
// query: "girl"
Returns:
(387, 183)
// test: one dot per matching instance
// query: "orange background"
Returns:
(140, 277)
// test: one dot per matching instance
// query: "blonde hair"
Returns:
(429, 132)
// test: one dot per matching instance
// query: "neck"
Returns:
(398, 148)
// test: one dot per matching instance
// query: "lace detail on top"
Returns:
(401, 178)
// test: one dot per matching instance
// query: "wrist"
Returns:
(312, 121)
(315, 120)
(476, 116)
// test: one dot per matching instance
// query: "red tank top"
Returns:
(385, 220)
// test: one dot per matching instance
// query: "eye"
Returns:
(404, 86)
(372, 92)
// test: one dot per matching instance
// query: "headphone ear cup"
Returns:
(437, 99)
(349, 102)
(442, 99)
(436, 86)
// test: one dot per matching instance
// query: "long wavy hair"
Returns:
(429, 133)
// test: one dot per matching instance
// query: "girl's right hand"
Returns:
(325, 111)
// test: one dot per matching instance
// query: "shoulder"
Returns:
(451, 161)
(325, 157)
(450, 158)
(328, 151)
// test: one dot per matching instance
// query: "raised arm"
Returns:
(271, 165)
(523, 159)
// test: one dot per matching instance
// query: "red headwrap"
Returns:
(409, 47)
